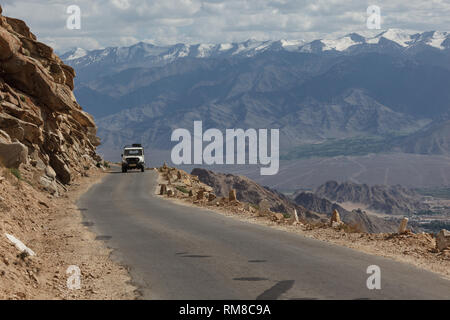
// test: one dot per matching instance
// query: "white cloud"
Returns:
(121, 4)
(120, 22)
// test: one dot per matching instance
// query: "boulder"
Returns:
(4, 137)
(264, 207)
(335, 220)
(9, 44)
(92, 136)
(49, 185)
(278, 217)
(443, 240)
(50, 172)
(62, 170)
(232, 195)
(200, 195)
(13, 154)
(403, 225)
(186, 182)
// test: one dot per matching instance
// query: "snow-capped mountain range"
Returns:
(396, 37)
(392, 87)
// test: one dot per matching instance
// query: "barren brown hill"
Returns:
(357, 218)
(395, 200)
(249, 191)
(308, 205)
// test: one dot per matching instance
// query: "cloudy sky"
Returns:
(124, 22)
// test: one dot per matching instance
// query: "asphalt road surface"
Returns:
(181, 252)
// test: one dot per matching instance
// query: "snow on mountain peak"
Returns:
(204, 50)
(291, 45)
(340, 44)
(252, 47)
(399, 36)
(437, 39)
(225, 46)
(407, 38)
(76, 54)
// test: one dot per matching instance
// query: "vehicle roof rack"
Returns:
(134, 145)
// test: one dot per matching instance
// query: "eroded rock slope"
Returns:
(41, 122)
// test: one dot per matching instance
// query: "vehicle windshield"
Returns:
(133, 152)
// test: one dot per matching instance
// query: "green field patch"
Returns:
(343, 147)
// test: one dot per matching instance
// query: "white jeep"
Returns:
(133, 158)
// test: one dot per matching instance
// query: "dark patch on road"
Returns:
(257, 261)
(250, 279)
(82, 209)
(181, 253)
(87, 224)
(277, 290)
(103, 238)
(195, 256)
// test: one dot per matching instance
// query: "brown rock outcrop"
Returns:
(335, 218)
(443, 240)
(38, 110)
(12, 154)
(403, 225)
(232, 195)
(243, 189)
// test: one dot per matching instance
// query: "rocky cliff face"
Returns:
(41, 122)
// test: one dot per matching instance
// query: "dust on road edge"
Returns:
(106, 277)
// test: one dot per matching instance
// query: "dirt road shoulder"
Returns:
(53, 228)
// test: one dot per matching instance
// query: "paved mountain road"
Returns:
(181, 252)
